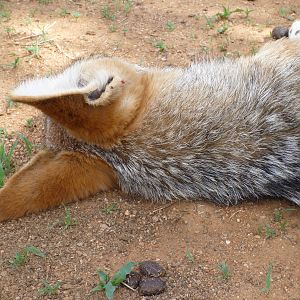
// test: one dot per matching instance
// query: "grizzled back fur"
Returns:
(224, 130)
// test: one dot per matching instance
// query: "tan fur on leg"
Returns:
(51, 179)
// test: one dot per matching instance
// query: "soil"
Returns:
(189, 239)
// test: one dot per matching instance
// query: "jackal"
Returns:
(224, 130)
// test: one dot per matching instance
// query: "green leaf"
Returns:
(109, 290)
(27, 143)
(35, 251)
(103, 277)
(267, 287)
(120, 276)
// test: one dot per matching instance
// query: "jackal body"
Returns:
(223, 130)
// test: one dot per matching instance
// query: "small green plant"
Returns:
(223, 28)
(247, 12)
(75, 14)
(48, 289)
(108, 285)
(9, 102)
(268, 231)
(29, 123)
(170, 26)
(278, 216)
(125, 30)
(286, 13)
(13, 64)
(189, 255)
(34, 50)
(227, 12)
(267, 287)
(110, 209)
(127, 6)
(44, 1)
(112, 28)
(4, 15)
(160, 45)
(9, 30)
(69, 221)
(107, 13)
(210, 21)
(63, 12)
(224, 269)
(22, 257)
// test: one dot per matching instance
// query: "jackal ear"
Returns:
(98, 91)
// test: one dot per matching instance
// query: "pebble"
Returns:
(151, 268)
(280, 32)
(152, 286)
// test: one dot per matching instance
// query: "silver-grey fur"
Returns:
(224, 130)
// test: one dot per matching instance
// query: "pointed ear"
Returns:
(86, 112)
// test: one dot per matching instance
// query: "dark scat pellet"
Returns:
(151, 268)
(152, 286)
(280, 32)
(133, 279)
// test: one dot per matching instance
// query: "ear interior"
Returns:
(65, 83)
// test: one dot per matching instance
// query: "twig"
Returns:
(63, 52)
(235, 213)
(128, 286)
(163, 207)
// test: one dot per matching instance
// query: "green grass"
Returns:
(267, 230)
(34, 50)
(75, 14)
(48, 289)
(29, 123)
(189, 255)
(69, 221)
(22, 257)
(161, 46)
(63, 12)
(267, 287)
(170, 26)
(286, 13)
(107, 13)
(223, 29)
(224, 270)
(108, 285)
(6, 155)
(110, 209)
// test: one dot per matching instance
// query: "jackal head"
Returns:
(95, 99)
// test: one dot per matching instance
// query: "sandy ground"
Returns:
(248, 237)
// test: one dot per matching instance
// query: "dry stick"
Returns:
(235, 213)
(163, 207)
(63, 52)
(128, 286)
(46, 28)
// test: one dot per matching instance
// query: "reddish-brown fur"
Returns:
(51, 179)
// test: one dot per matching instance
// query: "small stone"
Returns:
(227, 242)
(152, 286)
(127, 213)
(151, 268)
(280, 32)
(133, 279)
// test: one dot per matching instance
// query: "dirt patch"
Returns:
(190, 239)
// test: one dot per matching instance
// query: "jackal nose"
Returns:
(96, 94)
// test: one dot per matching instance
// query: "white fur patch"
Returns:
(294, 32)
